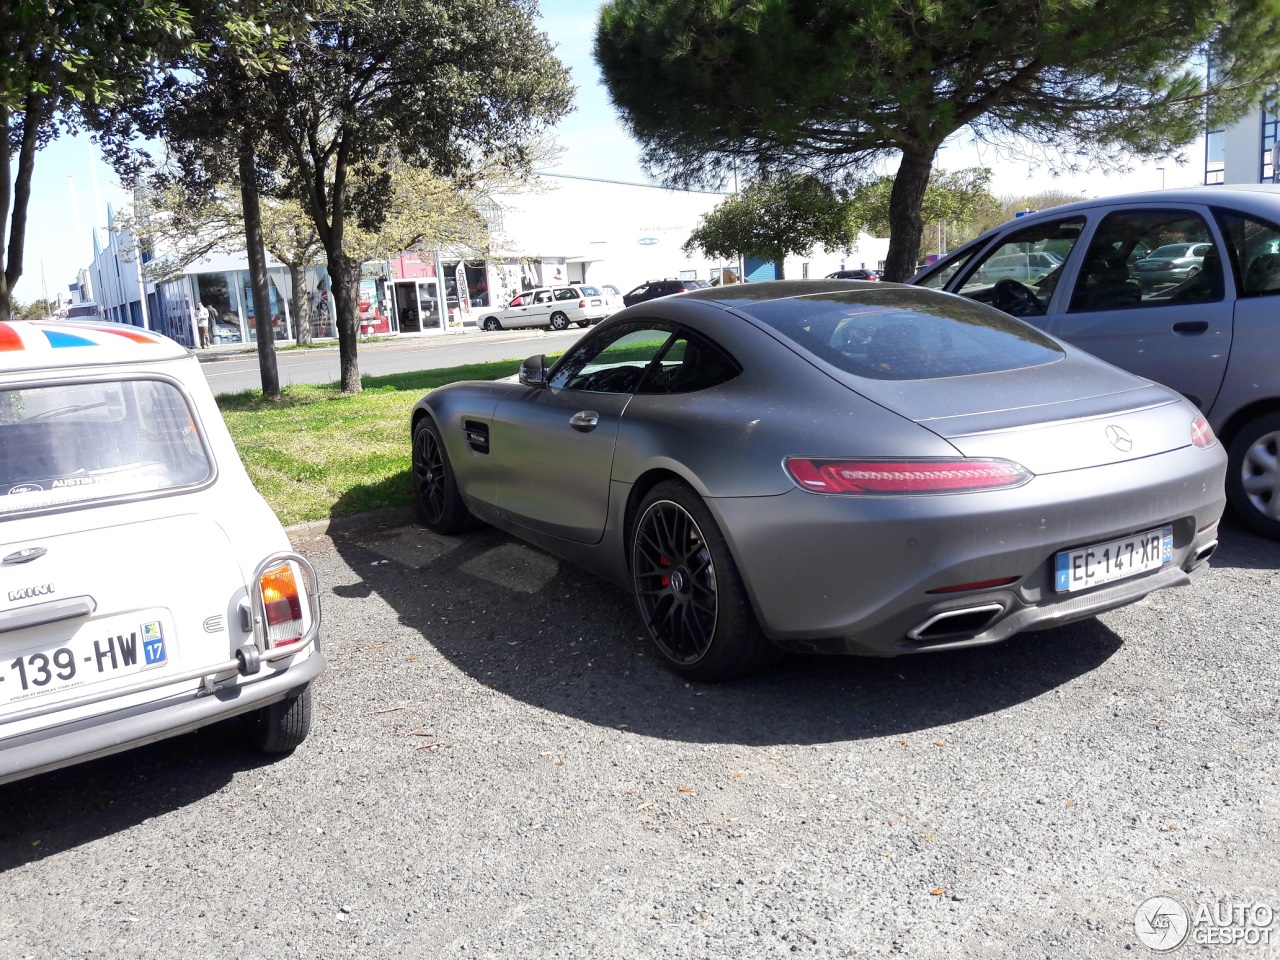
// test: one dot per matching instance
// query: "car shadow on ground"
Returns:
(58, 811)
(539, 630)
(1241, 549)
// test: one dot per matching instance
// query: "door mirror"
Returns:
(533, 372)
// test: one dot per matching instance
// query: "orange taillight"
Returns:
(282, 604)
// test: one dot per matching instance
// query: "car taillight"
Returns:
(283, 606)
(582, 304)
(880, 477)
(1201, 433)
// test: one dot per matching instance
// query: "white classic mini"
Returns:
(146, 589)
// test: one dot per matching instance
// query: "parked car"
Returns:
(555, 307)
(1214, 336)
(653, 289)
(1026, 267)
(85, 310)
(1170, 264)
(856, 274)
(831, 466)
(146, 589)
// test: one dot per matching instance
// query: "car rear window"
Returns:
(72, 443)
(590, 291)
(905, 334)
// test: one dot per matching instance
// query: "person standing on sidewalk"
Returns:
(202, 323)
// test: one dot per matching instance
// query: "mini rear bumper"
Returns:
(831, 574)
(48, 749)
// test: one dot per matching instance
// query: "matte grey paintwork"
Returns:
(1231, 370)
(834, 572)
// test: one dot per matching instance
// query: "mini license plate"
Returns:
(1113, 560)
(112, 648)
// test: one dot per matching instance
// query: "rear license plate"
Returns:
(101, 651)
(1113, 560)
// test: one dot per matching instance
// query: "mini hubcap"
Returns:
(1260, 475)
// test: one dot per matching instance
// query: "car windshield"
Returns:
(905, 334)
(77, 442)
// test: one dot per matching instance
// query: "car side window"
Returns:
(566, 293)
(939, 278)
(689, 363)
(639, 291)
(517, 301)
(613, 363)
(1253, 245)
(542, 296)
(1148, 258)
(1020, 273)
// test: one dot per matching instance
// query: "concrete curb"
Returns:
(360, 522)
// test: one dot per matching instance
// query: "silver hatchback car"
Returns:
(1210, 331)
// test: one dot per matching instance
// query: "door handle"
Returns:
(1191, 326)
(585, 420)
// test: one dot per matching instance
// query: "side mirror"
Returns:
(533, 372)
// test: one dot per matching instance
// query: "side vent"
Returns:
(477, 435)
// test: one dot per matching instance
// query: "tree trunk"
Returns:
(258, 271)
(15, 195)
(906, 226)
(300, 303)
(344, 281)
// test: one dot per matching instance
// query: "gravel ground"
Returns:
(500, 768)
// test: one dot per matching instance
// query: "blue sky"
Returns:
(65, 205)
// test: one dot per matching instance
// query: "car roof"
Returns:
(34, 344)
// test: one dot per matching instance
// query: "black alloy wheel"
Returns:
(435, 489)
(688, 589)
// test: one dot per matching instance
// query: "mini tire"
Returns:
(1253, 474)
(492, 324)
(281, 726)
(688, 590)
(559, 321)
(436, 501)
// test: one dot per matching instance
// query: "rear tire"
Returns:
(492, 324)
(559, 321)
(1253, 474)
(436, 501)
(280, 727)
(688, 590)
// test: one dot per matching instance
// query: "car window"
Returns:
(941, 275)
(517, 301)
(1019, 275)
(78, 442)
(689, 363)
(638, 291)
(1253, 246)
(614, 362)
(542, 296)
(590, 292)
(905, 334)
(566, 293)
(1117, 273)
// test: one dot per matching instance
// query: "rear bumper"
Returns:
(50, 748)
(853, 574)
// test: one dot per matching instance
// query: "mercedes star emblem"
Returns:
(1120, 438)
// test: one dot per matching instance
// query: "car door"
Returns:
(1177, 330)
(554, 445)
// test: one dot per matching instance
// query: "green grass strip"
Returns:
(317, 453)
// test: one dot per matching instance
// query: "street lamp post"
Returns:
(1161, 169)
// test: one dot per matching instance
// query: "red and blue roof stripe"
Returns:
(10, 339)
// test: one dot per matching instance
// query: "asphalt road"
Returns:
(232, 372)
(500, 768)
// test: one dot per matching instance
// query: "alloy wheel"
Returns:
(675, 581)
(428, 475)
(1260, 474)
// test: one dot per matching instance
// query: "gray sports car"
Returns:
(831, 466)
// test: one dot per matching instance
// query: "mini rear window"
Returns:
(589, 291)
(72, 443)
(905, 334)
